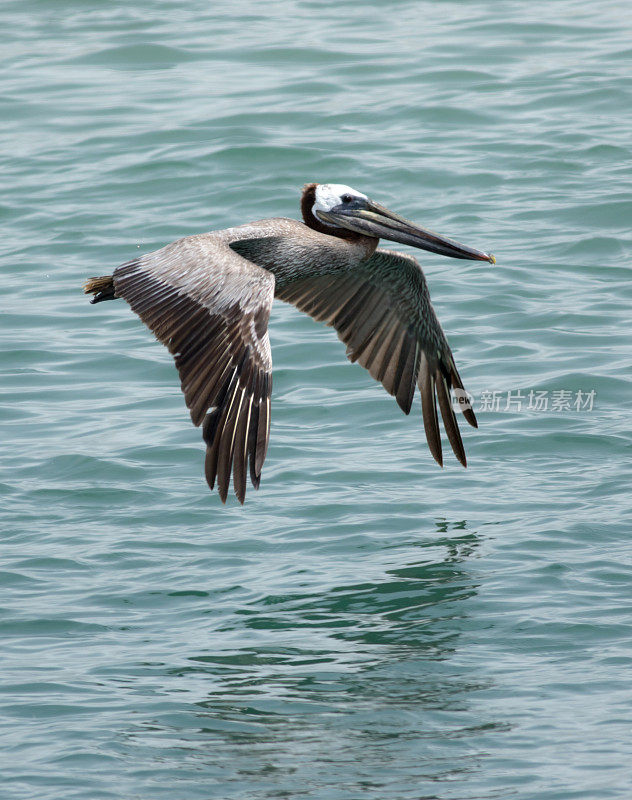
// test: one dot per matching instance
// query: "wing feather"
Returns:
(211, 307)
(407, 370)
(381, 310)
(449, 419)
(429, 409)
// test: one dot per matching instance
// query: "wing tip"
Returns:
(450, 424)
(405, 403)
(426, 382)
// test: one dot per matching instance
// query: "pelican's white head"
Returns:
(331, 195)
(339, 210)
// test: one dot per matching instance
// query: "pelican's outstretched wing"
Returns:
(211, 307)
(381, 310)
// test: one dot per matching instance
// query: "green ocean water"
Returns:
(368, 626)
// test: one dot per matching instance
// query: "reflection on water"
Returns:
(377, 676)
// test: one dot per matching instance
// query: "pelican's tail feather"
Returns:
(102, 288)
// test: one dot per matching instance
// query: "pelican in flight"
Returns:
(208, 298)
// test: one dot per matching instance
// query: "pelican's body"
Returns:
(208, 299)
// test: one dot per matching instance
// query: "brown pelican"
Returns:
(208, 299)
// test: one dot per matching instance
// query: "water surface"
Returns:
(367, 625)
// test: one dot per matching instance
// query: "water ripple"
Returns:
(368, 625)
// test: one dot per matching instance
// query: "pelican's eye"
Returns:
(347, 198)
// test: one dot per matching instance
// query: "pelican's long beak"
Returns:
(371, 219)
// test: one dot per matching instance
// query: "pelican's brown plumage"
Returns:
(208, 299)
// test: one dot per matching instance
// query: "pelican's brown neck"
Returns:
(308, 199)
